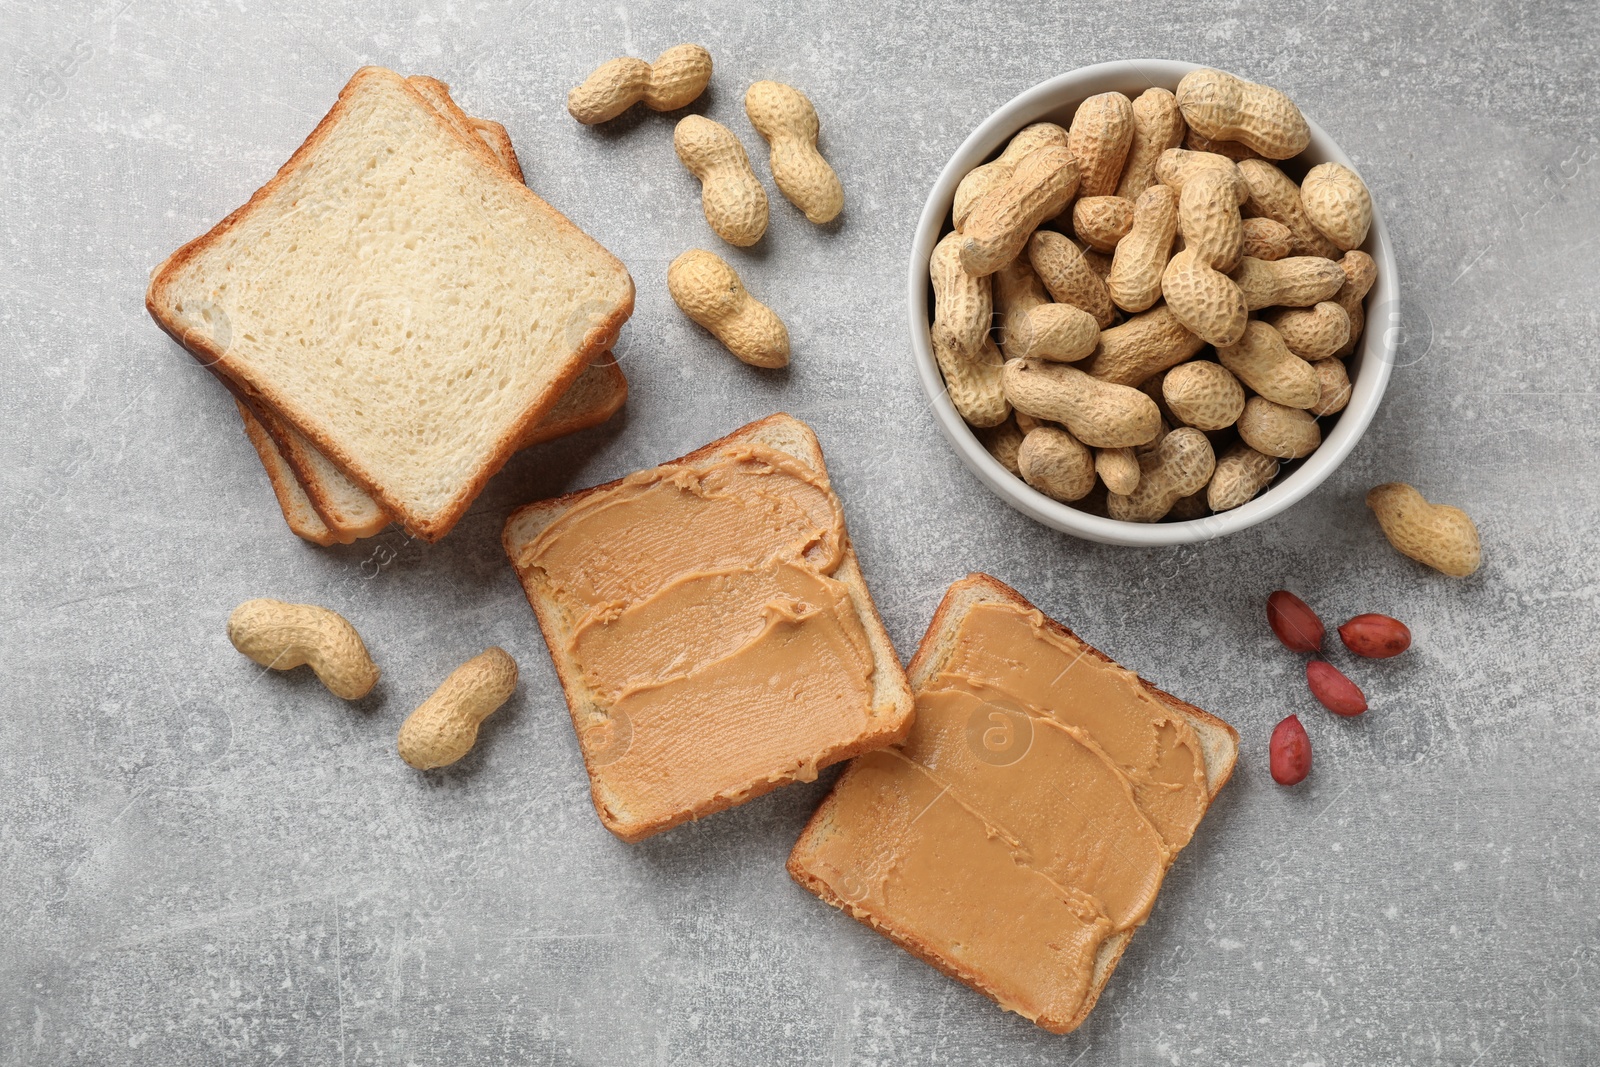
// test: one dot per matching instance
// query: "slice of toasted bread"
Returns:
(890, 714)
(1219, 746)
(390, 279)
(345, 513)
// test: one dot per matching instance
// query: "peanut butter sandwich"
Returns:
(711, 628)
(1020, 833)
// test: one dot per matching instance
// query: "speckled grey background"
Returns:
(200, 864)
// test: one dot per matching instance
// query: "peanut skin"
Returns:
(783, 115)
(734, 202)
(709, 292)
(677, 77)
(1265, 239)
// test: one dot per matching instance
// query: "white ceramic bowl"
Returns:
(1055, 101)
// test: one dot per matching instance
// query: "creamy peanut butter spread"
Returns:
(702, 614)
(1031, 814)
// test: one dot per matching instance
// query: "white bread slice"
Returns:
(398, 298)
(1219, 745)
(345, 513)
(302, 518)
(892, 702)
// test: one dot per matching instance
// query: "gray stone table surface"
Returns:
(203, 864)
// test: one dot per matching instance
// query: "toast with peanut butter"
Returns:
(711, 628)
(1019, 835)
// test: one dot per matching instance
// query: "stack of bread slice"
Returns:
(396, 314)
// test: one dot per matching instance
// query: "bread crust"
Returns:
(595, 340)
(896, 716)
(979, 588)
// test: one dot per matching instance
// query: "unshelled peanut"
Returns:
(1312, 333)
(1333, 383)
(285, 636)
(1005, 216)
(677, 77)
(1118, 468)
(1278, 431)
(1241, 473)
(1222, 107)
(1136, 266)
(1099, 138)
(1209, 220)
(1097, 413)
(1203, 394)
(785, 117)
(976, 385)
(1264, 363)
(1065, 272)
(1058, 332)
(1274, 196)
(1176, 167)
(1438, 535)
(1056, 463)
(1233, 150)
(1299, 281)
(1337, 203)
(709, 292)
(1145, 345)
(1003, 442)
(1017, 291)
(981, 179)
(963, 305)
(1180, 466)
(1208, 303)
(445, 726)
(1157, 126)
(1361, 273)
(1265, 239)
(1101, 221)
(734, 202)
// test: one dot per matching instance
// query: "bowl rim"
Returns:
(1372, 362)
